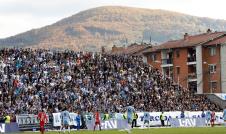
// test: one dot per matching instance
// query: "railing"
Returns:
(167, 61)
(192, 76)
(191, 59)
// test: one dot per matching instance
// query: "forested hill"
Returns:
(106, 26)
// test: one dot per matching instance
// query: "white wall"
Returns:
(199, 70)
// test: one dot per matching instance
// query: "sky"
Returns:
(18, 16)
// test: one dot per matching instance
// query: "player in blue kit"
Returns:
(65, 118)
(129, 115)
(203, 115)
(78, 119)
(130, 111)
(224, 116)
(146, 119)
(208, 117)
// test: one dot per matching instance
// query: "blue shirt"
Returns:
(203, 115)
(182, 115)
(119, 116)
(208, 115)
(130, 111)
(78, 118)
(65, 115)
(146, 116)
(224, 114)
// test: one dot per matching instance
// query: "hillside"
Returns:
(105, 26)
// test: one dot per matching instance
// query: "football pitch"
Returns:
(215, 130)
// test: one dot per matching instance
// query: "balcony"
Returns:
(191, 60)
(167, 62)
(192, 77)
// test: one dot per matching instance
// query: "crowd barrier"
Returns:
(9, 127)
(187, 122)
(57, 119)
(109, 124)
(30, 122)
(155, 117)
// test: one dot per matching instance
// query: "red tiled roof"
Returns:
(191, 40)
(217, 41)
(151, 49)
(133, 49)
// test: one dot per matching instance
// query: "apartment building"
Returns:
(197, 62)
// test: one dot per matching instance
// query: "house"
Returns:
(133, 49)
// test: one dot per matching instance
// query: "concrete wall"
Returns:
(223, 68)
(199, 70)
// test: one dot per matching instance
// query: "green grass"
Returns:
(216, 130)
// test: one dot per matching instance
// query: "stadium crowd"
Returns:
(32, 79)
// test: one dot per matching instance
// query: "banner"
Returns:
(155, 117)
(2, 128)
(188, 122)
(28, 119)
(109, 124)
(57, 120)
(9, 128)
(31, 122)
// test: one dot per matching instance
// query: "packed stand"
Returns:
(35, 79)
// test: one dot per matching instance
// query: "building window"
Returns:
(212, 51)
(153, 57)
(178, 70)
(213, 85)
(177, 53)
(212, 68)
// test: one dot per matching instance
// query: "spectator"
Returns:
(134, 122)
(182, 115)
(162, 119)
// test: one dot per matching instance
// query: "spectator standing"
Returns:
(182, 115)
(134, 122)
(7, 119)
(162, 119)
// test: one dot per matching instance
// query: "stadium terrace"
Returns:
(36, 79)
